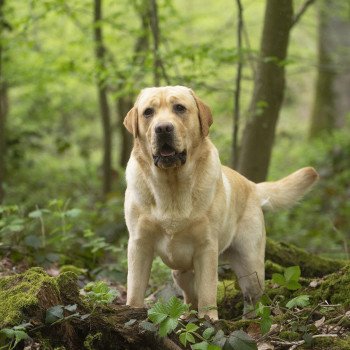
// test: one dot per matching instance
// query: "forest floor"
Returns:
(45, 309)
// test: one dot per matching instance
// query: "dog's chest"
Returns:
(176, 251)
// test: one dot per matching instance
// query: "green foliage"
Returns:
(299, 301)
(264, 312)
(166, 315)
(12, 336)
(289, 279)
(100, 293)
(200, 335)
(54, 235)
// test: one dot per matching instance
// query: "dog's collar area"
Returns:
(168, 161)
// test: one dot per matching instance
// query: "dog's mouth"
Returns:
(168, 157)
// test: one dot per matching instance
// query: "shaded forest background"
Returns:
(70, 71)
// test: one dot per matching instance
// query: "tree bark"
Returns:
(103, 98)
(258, 136)
(154, 22)
(332, 98)
(3, 104)
(124, 104)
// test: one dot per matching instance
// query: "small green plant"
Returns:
(12, 336)
(264, 312)
(100, 293)
(289, 279)
(299, 301)
(201, 335)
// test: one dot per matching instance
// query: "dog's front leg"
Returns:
(140, 256)
(206, 277)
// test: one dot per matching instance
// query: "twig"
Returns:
(294, 344)
(236, 107)
(170, 345)
(302, 10)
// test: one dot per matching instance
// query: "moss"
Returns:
(72, 268)
(334, 288)
(289, 335)
(311, 265)
(90, 339)
(327, 343)
(271, 267)
(20, 292)
(226, 290)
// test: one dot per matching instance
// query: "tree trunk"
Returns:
(154, 22)
(124, 104)
(102, 97)
(258, 136)
(332, 98)
(3, 104)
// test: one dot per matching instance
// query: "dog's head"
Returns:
(169, 122)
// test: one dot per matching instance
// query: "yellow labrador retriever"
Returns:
(184, 206)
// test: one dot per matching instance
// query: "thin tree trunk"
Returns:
(102, 97)
(154, 21)
(332, 97)
(124, 104)
(258, 136)
(236, 99)
(3, 105)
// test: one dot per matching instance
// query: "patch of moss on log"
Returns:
(21, 293)
(311, 265)
(334, 288)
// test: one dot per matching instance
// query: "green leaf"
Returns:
(175, 307)
(148, 326)
(278, 279)
(32, 241)
(183, 338)
(73, 213)
(190, 338)
(299, 301)
(157, 313)
(240, 340)
(130, 322)
(53, 314)
(167, 326)
(265, 324)
(208, 332)
(8, 332)
(292, 273)
(71, 308)
(38, 213)
(308, 339)
(21, 335)
(191, 327)
(200, 346)
(214, 347)
(293, 285)
(219, 338)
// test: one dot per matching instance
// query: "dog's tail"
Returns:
(287, 191)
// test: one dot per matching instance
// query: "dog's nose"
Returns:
(164, 128)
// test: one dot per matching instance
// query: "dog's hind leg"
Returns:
(246, 256)
(185, 281)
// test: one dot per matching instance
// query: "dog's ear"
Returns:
(204, 114)
(131, 121)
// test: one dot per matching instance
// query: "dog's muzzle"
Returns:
(167, 156)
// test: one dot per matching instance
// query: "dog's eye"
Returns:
(148, 112)
(178, 108)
